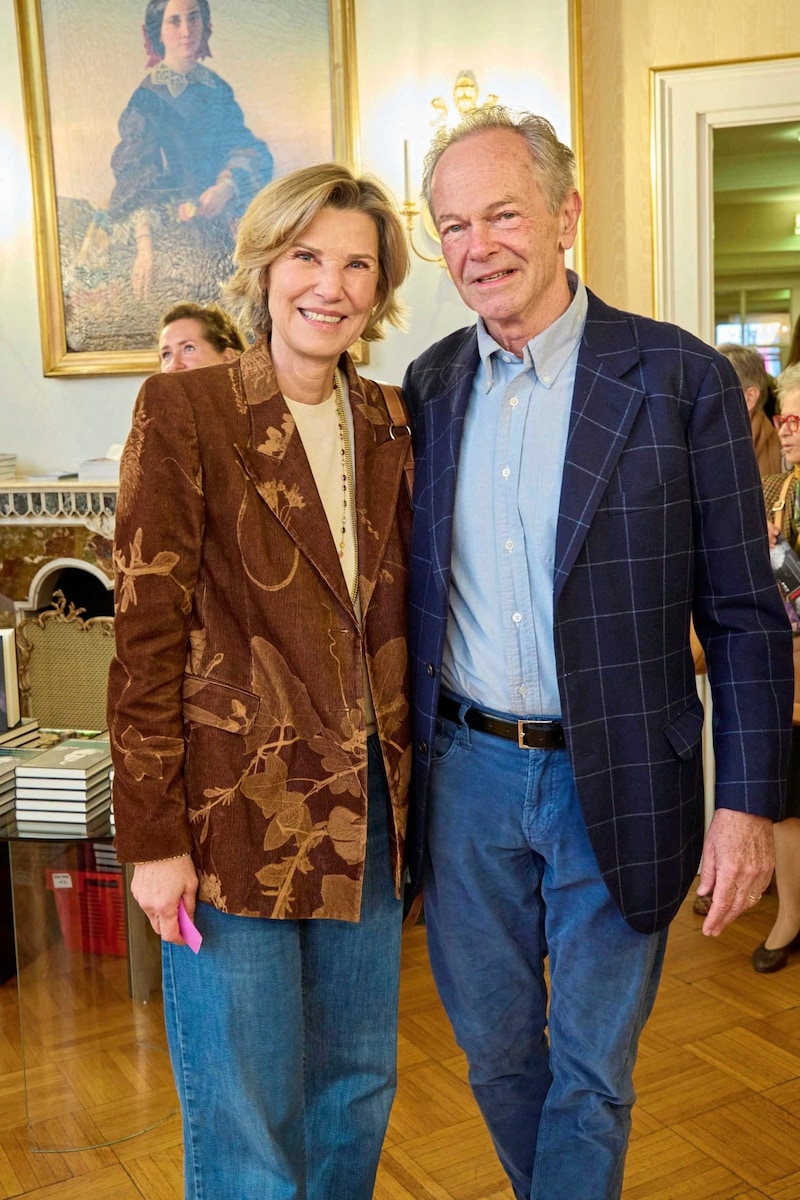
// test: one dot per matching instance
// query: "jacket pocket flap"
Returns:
(208, 702)
(685, 731)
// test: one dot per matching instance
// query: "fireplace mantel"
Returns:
(45, 527)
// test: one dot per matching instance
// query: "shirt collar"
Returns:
(175, 83)
(546, 353)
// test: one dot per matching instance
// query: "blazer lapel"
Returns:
(444, 426)
(378, 462)
(603, 411)
(277, 465)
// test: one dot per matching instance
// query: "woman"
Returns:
(186, 166)
(782, 496)
(196, 335)
(261, 556)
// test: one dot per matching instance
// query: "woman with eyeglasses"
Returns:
(782, 497)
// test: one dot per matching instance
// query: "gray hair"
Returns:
(749, 367)
(553, 162)
(788, 381)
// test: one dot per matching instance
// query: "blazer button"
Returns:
(422, 747)
(431, 669)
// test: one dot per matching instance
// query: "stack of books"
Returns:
(64, 790)
(26, 733)
(105, 857)
(8, 465)
(7, 768)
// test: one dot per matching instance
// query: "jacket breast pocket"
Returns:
(659, 496)
(220, 705)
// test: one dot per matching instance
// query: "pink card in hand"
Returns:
(189, 931)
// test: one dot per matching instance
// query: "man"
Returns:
(193, 335)
(585, 482)
(752, 375)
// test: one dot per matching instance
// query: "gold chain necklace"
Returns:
(348, 486)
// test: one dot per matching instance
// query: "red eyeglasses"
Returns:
(791, 422)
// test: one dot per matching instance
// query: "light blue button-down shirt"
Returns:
(499, 651)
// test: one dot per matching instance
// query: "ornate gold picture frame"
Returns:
(282, 77)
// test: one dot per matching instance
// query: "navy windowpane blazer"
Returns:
(661, 518)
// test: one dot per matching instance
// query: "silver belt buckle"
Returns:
(540, 725)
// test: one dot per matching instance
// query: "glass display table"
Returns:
(94, 1056)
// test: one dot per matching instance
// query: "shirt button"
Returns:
(514, 401)
(516, 618)
(422, 747)
(506, 358)
(431, 669)
(546, 378)
(506, 471)
(523, 690)
(509, 544)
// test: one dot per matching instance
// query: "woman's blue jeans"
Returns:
(282, 1036)
(511, 879)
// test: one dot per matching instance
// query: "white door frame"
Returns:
(687, 105)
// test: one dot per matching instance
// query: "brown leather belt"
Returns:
(529, 735)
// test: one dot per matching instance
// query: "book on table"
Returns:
(59, 789)
(78, 761)
(73, 807)
(25, 733)
(62, 816)
(63, 830)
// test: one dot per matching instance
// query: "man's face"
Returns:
(504, 249)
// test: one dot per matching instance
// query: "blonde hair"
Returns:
(553, 162)
(277, 217)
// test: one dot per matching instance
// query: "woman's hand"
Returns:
(773, 533)
(214, 199)
(158, 888)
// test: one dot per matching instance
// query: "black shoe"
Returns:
(766, 961)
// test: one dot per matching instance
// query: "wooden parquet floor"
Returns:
(718, 1079)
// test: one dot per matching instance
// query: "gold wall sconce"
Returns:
(465, 98)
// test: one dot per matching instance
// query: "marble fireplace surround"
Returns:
(47, 527)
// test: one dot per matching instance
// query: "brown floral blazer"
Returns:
(236, 705)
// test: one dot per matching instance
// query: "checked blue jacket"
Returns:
(661, 518)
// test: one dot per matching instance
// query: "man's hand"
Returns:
(158, 888)
(738, 860)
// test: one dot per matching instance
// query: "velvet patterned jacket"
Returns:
(236, 698)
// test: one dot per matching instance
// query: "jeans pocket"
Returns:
(445, 742)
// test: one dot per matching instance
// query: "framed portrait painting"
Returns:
(151, 125)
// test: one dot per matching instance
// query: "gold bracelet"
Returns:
(169, 858)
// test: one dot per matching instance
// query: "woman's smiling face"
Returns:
(322, 290)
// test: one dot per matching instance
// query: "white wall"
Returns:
(407, 54)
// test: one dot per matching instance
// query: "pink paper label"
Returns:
(189, 931)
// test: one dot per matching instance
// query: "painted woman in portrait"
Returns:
(186, 165)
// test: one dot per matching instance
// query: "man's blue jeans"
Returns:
(283, 1037)
(510, 879)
